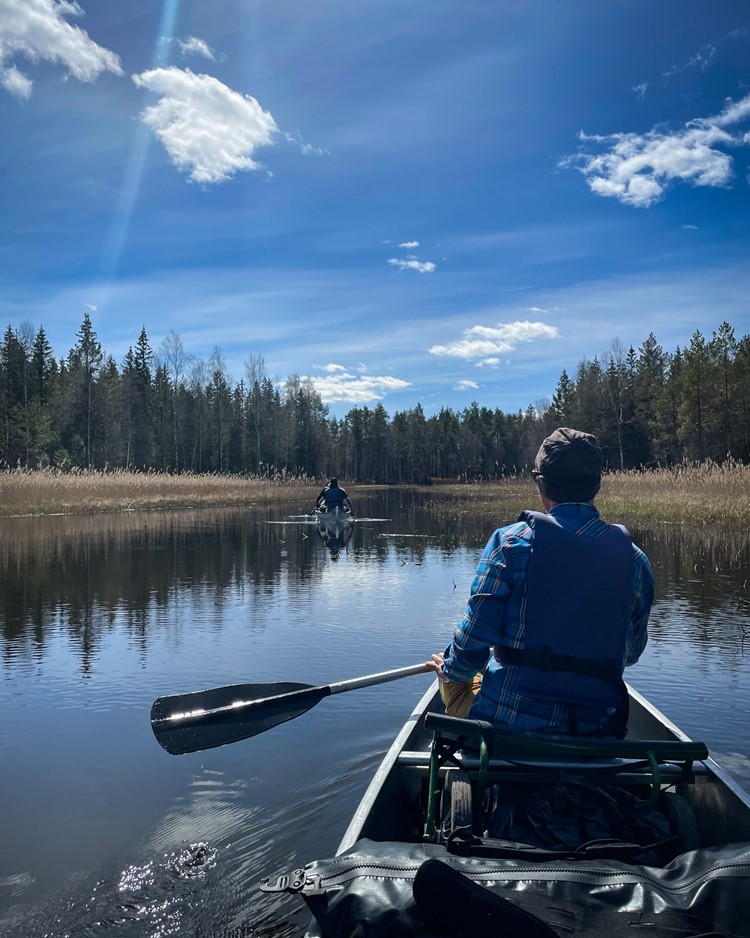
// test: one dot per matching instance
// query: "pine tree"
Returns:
(84, 362)
(696, 397)
(722, 350)
(562, 400)
(12, 369)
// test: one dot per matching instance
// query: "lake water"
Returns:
(99, 616)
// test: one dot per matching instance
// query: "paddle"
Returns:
(210, 718)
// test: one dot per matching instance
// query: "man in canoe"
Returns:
(333, 496)
(558, 607)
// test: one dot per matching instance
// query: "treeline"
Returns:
(166, 411)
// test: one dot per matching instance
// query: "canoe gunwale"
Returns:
(708, 775)
(713, 767)
(354, 830)
(713, 793)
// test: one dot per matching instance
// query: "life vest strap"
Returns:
(545, 659)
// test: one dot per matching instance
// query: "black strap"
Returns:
(545, 659)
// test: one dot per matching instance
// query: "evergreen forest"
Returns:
(165, 411)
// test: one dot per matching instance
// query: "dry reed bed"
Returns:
(51, 491)
(691, 493)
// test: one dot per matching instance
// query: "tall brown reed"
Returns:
(53, 491)
(694, 493)
(702, 493)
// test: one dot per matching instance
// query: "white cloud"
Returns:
(409, 245)
(636, 169)
(37, 30)
(488, 363)
(690, 227)
(209, 131)
(195, 46)
(411, 263)
(465, 385)
(640, 90)
(544, 310)
(306, 149)
(487, 341)
(332, 368)
(701, 60)
(734, 112)
(356, 390)
(92, 307)
(16, 83)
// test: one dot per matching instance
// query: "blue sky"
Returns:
(406, 201)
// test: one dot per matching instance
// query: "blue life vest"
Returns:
(578, 598)
(333, 496)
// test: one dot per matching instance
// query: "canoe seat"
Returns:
(486, 747)
(505, 741)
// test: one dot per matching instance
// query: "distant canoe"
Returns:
(334, 514)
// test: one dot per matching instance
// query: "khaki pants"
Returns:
(458, 698)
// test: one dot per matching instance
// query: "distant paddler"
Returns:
(333, 496)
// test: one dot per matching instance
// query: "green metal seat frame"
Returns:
(503, 743)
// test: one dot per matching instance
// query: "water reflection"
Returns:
(100, 615)
(335, 530)
(87, 570)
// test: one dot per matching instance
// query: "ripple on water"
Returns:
(157, 899)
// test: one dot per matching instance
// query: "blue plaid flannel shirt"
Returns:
(495, 616)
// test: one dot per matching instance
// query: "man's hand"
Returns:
(436, 664)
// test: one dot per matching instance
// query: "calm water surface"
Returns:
(103, 832)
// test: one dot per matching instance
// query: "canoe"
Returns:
(335, 527)
(722, 806)
(411, 796)
(333, 514)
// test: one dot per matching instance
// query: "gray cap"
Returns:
(568, 466)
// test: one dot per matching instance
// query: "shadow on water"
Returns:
(100, 615)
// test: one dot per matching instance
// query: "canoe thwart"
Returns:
(504, 739)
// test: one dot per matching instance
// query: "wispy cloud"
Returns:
(640, 90)
(488, 363)
(195, 46)
(637, 169)
(16, 83)
(466, 385)
(38, 30)
(484, 342)
(209, 131)
(306, 149)
(701, 60)
(352, 389)
(331, 368)
(544, 310)
(409, 245)
(411, 263)
(690, 227)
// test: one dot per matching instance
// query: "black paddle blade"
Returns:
(207, 719)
